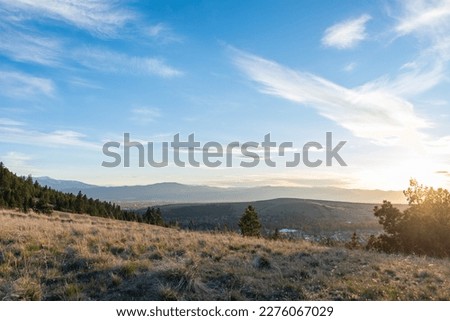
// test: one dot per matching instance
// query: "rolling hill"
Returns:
(313, 217)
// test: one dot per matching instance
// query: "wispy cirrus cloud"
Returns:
(346, 34)
(10, 122)
(22, 41)
(109, 61)
(162, 33)
(430, 21)
(419, 16)
(26, 48)
(20, 46)
(24, 86)
(440, 146)
(80, 82)
(372, 111)
(67, 138)
(350, 67)
(100, 17)
(145, 114)
(18, 162)
(423, 76)
(14, 132)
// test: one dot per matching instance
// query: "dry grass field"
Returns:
(77, 257)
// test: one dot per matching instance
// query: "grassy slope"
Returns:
(77, 257)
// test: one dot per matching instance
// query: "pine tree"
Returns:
(153, 216)
(249, 223)
(354, 242)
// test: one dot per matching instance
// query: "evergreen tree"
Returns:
(249, 223)
(79, 208)
(354, 242)
(153, 216)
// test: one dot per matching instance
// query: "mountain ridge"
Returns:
(173, 192)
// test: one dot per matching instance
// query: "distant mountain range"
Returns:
(62, 185)
(179, 193)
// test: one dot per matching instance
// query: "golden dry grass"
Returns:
(77, 257)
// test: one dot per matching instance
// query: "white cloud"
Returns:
(318, 179)
(440, 146)
(21, 85)
(372, 111)
(100, 17)
(66, 138)
(429, 20)
(22, 41)
(19, 46)
(80, 82)
(59, 138)
(156, 30)
(14, 132)
(162, 33)
(108, 61)
(347, 34)
(424, 16)
(145, 114)
(17, 157)
(420, 79)
(10, 122)
(18, 162)
(350, 67)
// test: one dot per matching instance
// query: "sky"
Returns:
(76, 74)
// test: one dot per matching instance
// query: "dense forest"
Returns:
(24, 194)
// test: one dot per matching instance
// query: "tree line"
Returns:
(25, 194)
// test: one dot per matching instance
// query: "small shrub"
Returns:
(261, 263)
(354, 242)
(422, 274)
(185, 278)
(372, 293)
(27, 289)
(129, 269)
(116, 279)
(168, 294)
(156, 256)
(72, 292)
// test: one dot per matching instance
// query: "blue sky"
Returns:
(77, 74)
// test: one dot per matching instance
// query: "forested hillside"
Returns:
(24, 194)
